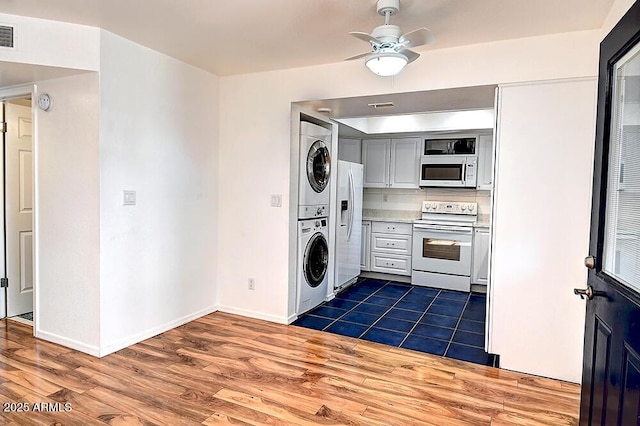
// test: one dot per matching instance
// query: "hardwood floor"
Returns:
(228, 369)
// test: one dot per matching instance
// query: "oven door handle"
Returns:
(448, 230)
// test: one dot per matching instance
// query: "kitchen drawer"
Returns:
(391, 264)
(392, 228)
(391, 243)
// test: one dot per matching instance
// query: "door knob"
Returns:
(590, 262)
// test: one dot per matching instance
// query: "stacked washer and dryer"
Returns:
(313, 216)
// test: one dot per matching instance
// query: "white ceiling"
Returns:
(243, 36)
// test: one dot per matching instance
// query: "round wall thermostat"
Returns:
(45, 102)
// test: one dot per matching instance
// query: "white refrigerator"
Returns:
(349, 223)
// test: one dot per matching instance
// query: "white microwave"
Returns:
(451, 171)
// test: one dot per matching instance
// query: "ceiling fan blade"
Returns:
(417, 38)
(361, 55)
(410, 54)
(365, 37)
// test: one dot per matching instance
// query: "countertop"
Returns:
(408, 216)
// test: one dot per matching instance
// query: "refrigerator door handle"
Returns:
(351, 198)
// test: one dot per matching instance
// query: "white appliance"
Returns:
(315, 171)
(458, 171)
(313, 263)
(449, 162)
(349, 226)
(442, 239)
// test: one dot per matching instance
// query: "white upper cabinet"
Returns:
(391, 163)
(404, 163)
(375, 157)
(485, 162)
(350, 150)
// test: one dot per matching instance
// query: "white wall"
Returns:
(255, 144)
(67, 214)
(542, 213)
(52, 43)
(159, 137)
(66, 183)
(619, 8)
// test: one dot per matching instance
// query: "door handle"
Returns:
(588, 292)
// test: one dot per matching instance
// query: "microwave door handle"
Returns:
(464, 174)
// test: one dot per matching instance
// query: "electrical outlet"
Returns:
(385, 198)
(252, 283)
(128, 198)
(276, 200)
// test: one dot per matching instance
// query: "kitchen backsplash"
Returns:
(411, 199)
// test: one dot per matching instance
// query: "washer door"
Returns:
(316, 260)
(318, 166)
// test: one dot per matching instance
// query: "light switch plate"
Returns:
(128, 198)
(276, 200)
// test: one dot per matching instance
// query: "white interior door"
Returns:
(19, 208)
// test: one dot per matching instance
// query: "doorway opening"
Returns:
(389, 302)
(17, 261)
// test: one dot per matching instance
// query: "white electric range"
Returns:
(442, 245)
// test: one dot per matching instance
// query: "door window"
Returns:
(318, 166)
(622, 229)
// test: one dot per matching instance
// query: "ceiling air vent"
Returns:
(379, 105)
(6, 36)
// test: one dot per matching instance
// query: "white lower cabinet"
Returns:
(365, 253)
(480, 259)
(391, 247)
(391, 264)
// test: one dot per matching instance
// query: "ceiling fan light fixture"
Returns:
(386, 64)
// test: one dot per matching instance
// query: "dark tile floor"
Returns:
(439, 322)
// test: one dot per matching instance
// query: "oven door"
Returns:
(442, 249)
(449, 171)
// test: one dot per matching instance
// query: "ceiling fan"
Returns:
(390, 48)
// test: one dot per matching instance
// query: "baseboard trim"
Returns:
(68, 343)
(255, 314)
(113, 347)
(383, 276)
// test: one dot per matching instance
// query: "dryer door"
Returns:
(316, 260)
(318, 166)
